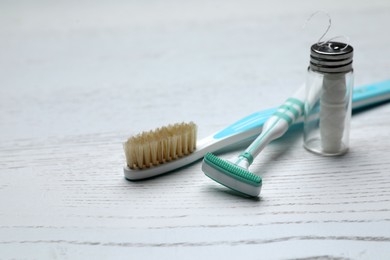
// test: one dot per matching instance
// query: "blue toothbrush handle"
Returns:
(252, 121)
(369, 95)
(362, 97)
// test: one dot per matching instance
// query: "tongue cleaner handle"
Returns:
(275, 126)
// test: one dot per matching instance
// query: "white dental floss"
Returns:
(328, 98)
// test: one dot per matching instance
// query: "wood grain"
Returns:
(78, 78)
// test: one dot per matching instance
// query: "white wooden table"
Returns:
(76, 79)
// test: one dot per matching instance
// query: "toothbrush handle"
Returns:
(277, 124)
(251, 126)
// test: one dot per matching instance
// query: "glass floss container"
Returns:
(329, 86)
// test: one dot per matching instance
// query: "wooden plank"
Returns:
(75, 82)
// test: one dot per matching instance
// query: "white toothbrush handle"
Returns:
(276, 125)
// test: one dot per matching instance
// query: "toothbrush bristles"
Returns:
(161, 145)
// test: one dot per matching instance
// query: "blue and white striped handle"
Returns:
(361, 97)
(276, 125)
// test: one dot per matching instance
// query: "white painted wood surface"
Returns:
(77, 78)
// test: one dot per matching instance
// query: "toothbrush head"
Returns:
(148, 153)
(231, 176)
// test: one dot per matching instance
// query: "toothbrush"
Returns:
(245, 129)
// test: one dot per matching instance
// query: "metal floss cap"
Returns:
(331, 57)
